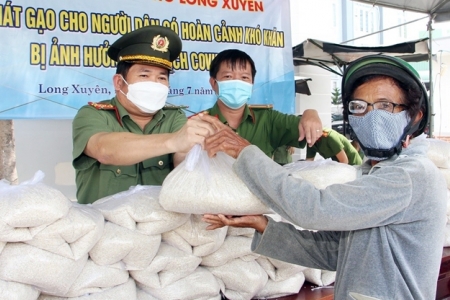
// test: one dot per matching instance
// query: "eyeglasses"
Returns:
(360, 106)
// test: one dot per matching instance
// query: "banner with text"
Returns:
(53, 56)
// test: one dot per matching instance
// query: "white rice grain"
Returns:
(72, 236)
(118, 243)
(138, 209)
(210, 187)
(50, 273)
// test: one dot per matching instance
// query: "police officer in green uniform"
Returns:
(232, 73)
(133, 138)
(336, 146)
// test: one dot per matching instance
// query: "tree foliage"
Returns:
(7, 152)
(336, 98)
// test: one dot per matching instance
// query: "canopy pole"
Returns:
(430, 55)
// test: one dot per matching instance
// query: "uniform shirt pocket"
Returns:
(159, 162)
(119, 171)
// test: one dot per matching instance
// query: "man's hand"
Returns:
(258, 222)
(225, 140)
(193, 132)
(310, 126)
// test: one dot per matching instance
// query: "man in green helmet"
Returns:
(382, 233)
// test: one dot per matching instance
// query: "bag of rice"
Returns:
(199, 285)
(126, 291)
(118, 243)
(446, 174)
(205, 185)
(203, 241)
(29, 204)
(279, 270)
(138, 209)
(322, 173)
(233, 247)
(50, 273)
(236, 231)
(72, 236)
(95, 278)
(319, 277)
(240, 279)
(174, 239)
(275, 289)
(169, 265)
(439, 152)
(10, 290)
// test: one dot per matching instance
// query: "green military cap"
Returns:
(151, 45)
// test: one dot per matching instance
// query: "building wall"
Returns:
(46, 145)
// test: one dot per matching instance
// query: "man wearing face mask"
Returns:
(132, 138)
(383, 233)
(232, 73)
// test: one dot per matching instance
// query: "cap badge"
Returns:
(160, 43)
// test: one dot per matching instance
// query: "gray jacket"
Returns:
(383, 233)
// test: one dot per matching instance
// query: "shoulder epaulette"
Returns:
(104, 106)
(107, 106)
(171, 106)
(260, 106)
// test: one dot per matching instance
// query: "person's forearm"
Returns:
(124, 148)
(178, 158)
(342, 157)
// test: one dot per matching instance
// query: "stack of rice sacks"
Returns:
(145, 243)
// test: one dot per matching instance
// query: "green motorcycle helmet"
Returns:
(401, 71)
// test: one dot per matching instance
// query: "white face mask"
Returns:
(148, 96)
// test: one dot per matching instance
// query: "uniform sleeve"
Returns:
(340, 207)
(311, 152)
(87, 122)
(285, 130)
(334, 143)
(296, 246)
(178, 121)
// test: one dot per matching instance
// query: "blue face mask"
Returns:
(379, 130)
(234, 93)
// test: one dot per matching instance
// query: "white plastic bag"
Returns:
(123, 291)
(72, 236)
(279, 270)
(275, 289)
(138, 209)
(169, 265)
(319, 277)
(134, 249)
(95, 278)
(233, 247)
(439, 153)
(50, 273)
(240, 279)
(202, 184)
(322, 173)
(203, 241)
(10, 290)
(199, 285)
(29, 204)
